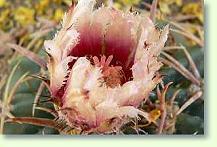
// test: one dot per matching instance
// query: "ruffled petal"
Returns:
(131, 44)
(58, 73)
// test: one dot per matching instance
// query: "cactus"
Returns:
(37, 96)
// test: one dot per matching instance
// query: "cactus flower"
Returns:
(102, 65)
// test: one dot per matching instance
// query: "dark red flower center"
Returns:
(115, 43)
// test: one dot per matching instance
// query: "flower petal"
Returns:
(58, 73)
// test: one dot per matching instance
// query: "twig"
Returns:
(190, 36)
(200, 32)
(192, 64)
(174, 96)
(153, 10)
(3, 80)
(195, 97)
(32, 56)
(183, 17)
(7, 113)
(146, 4)
(41, 33)
(17, 84)
(35, 121)
(167, 48)
(178, 26)
(52, 112)
(37, 96)
(179, 67)
(5, 97)
(36, 36)
(162, 100)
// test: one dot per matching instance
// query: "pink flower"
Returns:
(102, 65)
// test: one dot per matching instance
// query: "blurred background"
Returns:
(28, 23)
